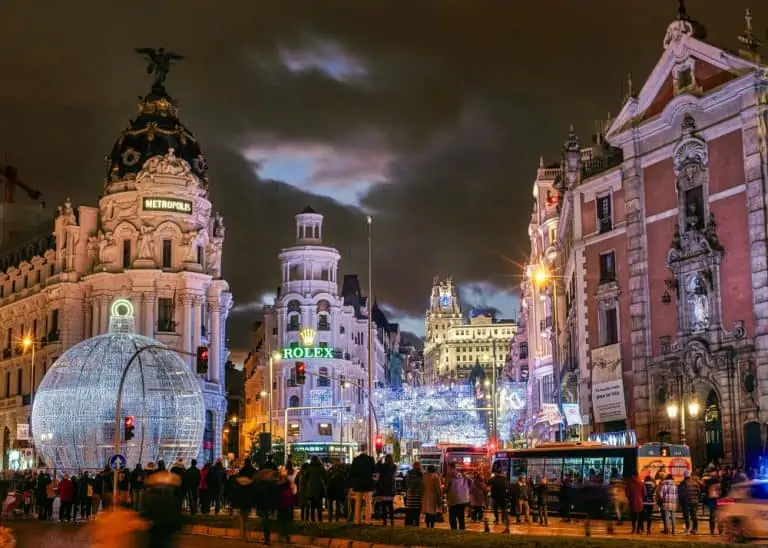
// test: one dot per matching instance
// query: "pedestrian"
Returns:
(67, 497)
(136, 480)
(523, 499)
(432, 496)
(243, 497)
(361, 481)
(478, 490)
(316, 486)
(457, 493)
(205, 503)
(216, 480)
(566, 487)
(668, 494)
(542, 501)
(414, 491)
(634, 492)
(499, 485)
(712, 491)
(337, 491)
(649, 501)
(692, 493)
(267, 495)
(385, 488)
(162, 508)
(191, 484)
(301, 492)
(85, 495)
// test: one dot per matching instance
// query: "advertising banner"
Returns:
(572, 414)
(608, 400)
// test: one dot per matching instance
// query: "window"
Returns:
(19, 381)
(165, 323)
(7, 384)
(322, 378)
(608, 267)
(200, 255)
(55, 320)
(167, 253)
(547, 389)
(293, 322)
(322, 323)
(523, 350)
(294, 430)
(609, 326)
(34, 329)
(324, 429)
(126, 253)
(604, 214)
(291, 382)
(10, 337)
(293, 401)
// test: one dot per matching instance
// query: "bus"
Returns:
(468, 459)
(578, 460)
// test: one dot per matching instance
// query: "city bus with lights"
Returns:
(582, 460)
(467, 458)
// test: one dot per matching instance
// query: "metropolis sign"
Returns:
(172, 205)
(307, 348)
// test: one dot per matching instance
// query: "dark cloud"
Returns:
(462, 97)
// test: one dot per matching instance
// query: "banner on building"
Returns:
(22, 432)
(572, 414)
(550, 414)
(608, 400)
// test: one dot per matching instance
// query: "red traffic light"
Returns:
(379, 443)
(301, 372)
(129, 421)
(128, 428)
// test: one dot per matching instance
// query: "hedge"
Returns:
(445, 538)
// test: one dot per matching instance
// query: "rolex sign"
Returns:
(171, 205)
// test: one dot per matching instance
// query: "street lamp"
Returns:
(369, 221)
(273, 357)
(542, 277)
(674, 409)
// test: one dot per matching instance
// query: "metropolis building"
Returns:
(153, 239)
(655, 306)
(317, 324)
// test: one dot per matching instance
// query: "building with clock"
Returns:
(453, 346)
(153, 239)
(321, 327)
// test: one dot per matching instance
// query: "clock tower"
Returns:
(443, 313)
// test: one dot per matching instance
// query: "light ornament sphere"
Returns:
(73, 417)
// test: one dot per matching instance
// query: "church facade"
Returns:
(154, 239)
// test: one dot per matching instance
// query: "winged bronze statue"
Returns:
(159, 62)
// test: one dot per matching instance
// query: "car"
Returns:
(743, 514)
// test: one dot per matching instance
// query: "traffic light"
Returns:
(301, 373)
(202, 360)
(379, 444)
(128, 428)
(492, 447)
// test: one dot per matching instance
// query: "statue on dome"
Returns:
(159, 62)
(67, 212)
(213, 257)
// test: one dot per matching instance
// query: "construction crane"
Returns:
(9, 177)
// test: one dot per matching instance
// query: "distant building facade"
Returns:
(453, 347)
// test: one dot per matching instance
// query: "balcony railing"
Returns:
(598, 164)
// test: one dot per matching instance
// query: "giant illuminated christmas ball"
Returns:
(73, 417)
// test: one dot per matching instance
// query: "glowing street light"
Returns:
(693, 407)
(672, 410)
(541, 275)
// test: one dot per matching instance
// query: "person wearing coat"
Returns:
(414, 490)
(432, 497)
(635, 491)
(690, 494)
(385, 488)
(315, 478)
(243, 496)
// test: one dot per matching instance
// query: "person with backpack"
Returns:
(457, 493)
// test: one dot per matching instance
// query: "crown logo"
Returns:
(307, 336)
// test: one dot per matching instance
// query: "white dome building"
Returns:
(73, 418)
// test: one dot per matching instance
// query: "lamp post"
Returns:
(369, 302)
(542, 277)
(673, 409)
(271, 392)
(30, 343)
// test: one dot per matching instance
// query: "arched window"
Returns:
(322, 378)
(293, 401)
(323, 316)
(294, 316)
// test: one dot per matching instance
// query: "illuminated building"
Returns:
(153, 239)
(452, 347)
(661, 254)
(314, 323)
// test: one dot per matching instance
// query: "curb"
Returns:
(296, 540)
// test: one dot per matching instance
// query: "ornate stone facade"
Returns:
(154, 240)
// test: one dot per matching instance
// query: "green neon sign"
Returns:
(300, 353)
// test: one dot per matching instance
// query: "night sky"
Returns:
(429, 114)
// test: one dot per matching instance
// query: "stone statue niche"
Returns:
(698, 302)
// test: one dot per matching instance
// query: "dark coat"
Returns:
(385, 486)
(361, 473)
(315, 477)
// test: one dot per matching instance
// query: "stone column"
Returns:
(103, 314)
(95, 322)
(150, 300)
(187, 329)
(214, 351)
(197, 323)
(87, 313)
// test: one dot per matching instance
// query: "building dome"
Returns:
(73, 417)
(155, 130)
